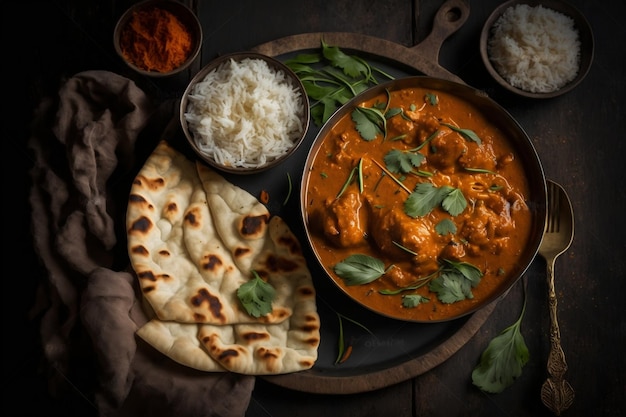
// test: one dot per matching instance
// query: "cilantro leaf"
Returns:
(369, 122)
(319, 92)
(350, 65)
(503, 359)
(413, 300)
(455, 281)
(454, 202)
(445, 226)
(469, 271)
(431, 98)
(360, 269)
(401, 162)
(423, 199)
(331, 78)
(393, 112)
(256, 296)
(451, 287)
(466, 133)
(310, 58)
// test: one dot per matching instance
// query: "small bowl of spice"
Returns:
(245, 112)
(537, 48)
(158, 38)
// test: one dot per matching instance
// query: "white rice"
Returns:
(536, 49)
(245, 114)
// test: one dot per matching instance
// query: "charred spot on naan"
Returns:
(170, 208)
(312, 325)
(291, 243)
(192, 217)
(240, 252)
(137, 199)
(251, 337)
(214, 306)
(226, 354)
(142, 225)
(306, 292)
(270, 357)
(253, 227)
(212, 262)
(306, 363)
(148, 277)
(150, 184)
(278, 315)
(139, 250)
(276, 263)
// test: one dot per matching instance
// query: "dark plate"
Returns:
(396, 350)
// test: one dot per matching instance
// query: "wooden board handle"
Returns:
(423, 57)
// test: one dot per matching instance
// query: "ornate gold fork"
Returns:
(556, 393)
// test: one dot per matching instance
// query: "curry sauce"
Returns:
(435, 152)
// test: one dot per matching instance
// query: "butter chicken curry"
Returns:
(416, 206)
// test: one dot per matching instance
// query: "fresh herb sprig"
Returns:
(344, 350)
(452, 281)
(502, 361)
(466, 133)
(455, 281)
(256, 296)
(289, 189)
(427, 196)
(331, 78)
(359, 269)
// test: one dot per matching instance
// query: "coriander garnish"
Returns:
(503, 359)
(289, 189)
(345, 350)
(335, 79)
(256, 296)
(360, 269)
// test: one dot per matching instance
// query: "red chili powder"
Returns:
(155, 40)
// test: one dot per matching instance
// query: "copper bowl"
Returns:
(186, 17)
(481, 104)
(585, 36)
(273, 64)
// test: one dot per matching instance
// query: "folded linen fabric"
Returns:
(84, 146)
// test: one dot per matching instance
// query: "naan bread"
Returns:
(193, 240)
(179, 342)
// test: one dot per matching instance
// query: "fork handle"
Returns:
(555, 333)
(556, 393)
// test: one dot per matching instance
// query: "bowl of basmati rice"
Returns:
(245, 112)
(537, 49)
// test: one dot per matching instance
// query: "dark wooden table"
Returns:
(579, 138)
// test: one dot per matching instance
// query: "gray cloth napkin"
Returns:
(87, 148)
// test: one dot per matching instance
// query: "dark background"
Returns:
(579, 137)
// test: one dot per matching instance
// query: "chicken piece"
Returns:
(341, 221)
(486, 228)
(448, 148)
(416, 235)
(483, 157)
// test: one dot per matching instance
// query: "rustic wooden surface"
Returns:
(579, 138)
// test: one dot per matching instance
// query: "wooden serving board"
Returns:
(422, 58)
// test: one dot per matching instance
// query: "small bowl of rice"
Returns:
(537, 49)
(245, 112)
